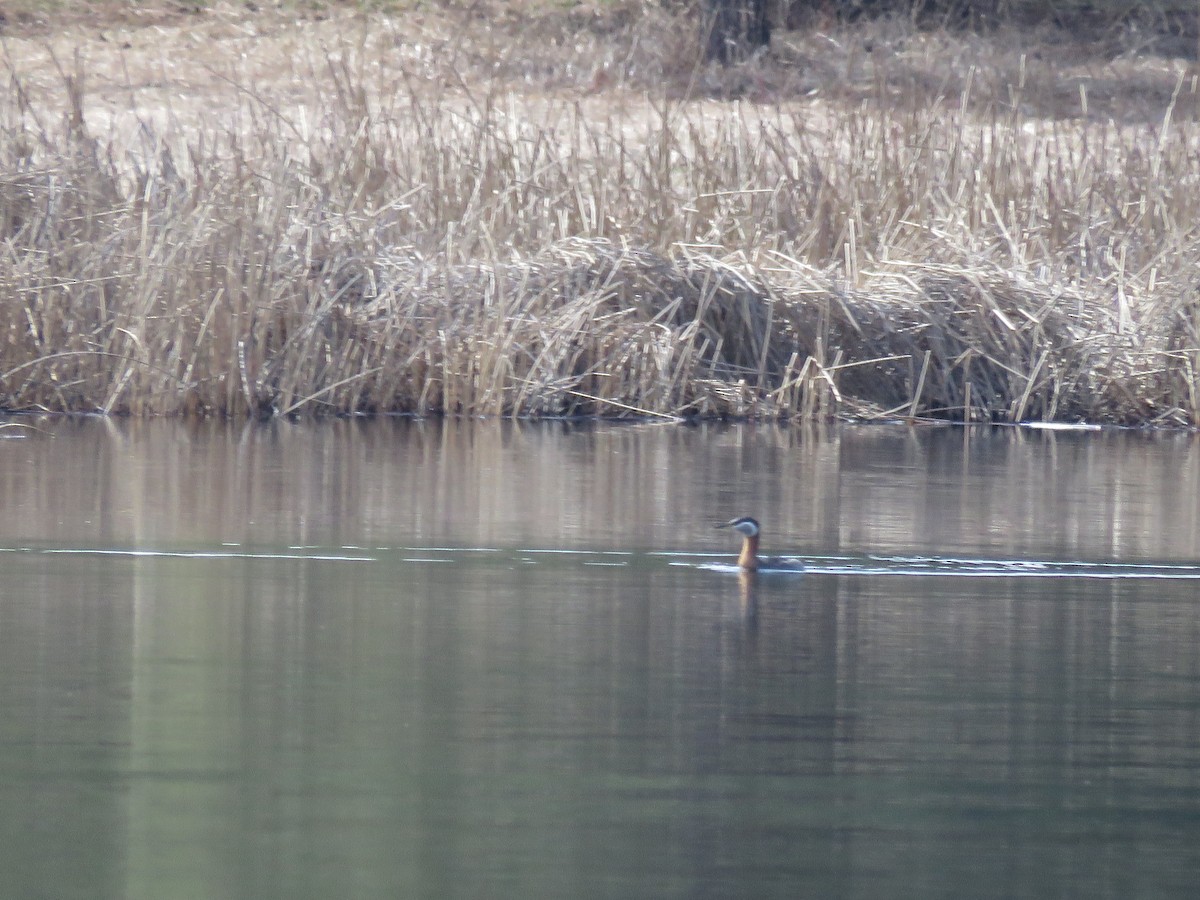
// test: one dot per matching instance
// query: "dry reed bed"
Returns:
(421, 247)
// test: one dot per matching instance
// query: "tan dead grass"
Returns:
(370, 213)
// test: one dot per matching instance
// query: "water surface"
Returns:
(468, 660)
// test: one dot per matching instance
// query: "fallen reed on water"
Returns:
(412, 239)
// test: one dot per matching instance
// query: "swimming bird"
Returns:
(749, 560)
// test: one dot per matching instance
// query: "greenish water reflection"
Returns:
(512, 723)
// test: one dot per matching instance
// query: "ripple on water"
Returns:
(931, 566)
(846, 565)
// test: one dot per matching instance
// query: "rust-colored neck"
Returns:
(748, 559)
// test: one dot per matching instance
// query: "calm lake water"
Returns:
(403, 659)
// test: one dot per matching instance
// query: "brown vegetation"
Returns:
(562, 213)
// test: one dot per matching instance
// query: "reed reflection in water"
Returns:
(1123, 496)
(438, 711)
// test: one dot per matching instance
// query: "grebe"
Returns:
(749, 560)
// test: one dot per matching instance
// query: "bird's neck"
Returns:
(748, 559)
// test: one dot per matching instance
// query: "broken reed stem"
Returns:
(916, 398)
